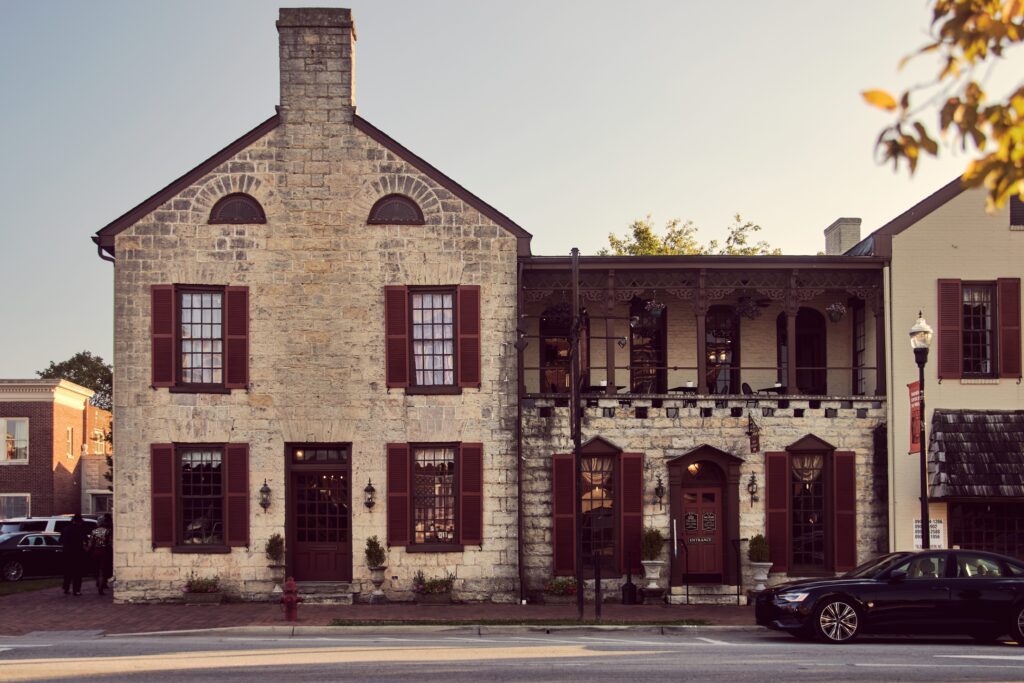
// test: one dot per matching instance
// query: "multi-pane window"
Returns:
(433, 338)
(598, 501)
(201, 499)
(978, 329)
(15, 505)
(807, 506)
(993, 526)
(70, 447)
(102, 503)
(99, 442)
(15, 433)
(202, 338)
(433, 495)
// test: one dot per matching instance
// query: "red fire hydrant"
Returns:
(290, 600)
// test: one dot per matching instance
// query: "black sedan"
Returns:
(969, 592)
(30, 554)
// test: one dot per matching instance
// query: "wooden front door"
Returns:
(702, 532)
(319, 517)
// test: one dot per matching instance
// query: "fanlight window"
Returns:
(237, 208)
(395, 209)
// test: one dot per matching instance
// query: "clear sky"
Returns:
(573, 118)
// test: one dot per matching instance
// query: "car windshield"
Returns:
(872, 567)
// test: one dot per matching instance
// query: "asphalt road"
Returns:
(514, 655)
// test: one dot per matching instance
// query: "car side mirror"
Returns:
(897, 576)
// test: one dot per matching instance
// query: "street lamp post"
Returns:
(920, 340)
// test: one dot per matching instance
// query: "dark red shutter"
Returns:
(469, 336)
(163, 475)
(950, 340)
(631, 476)
(777, 509)
(471, 493)
(236, 494)
(396, 336)
(1008, 298)
(399, 495)
(236, 337)
(844, 493)
(162, 314)
(563, 513)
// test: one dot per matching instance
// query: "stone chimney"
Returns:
(317, 47)
(841, 236)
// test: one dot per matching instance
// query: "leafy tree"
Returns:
(966, 35)
(680, 239)
(87, 370)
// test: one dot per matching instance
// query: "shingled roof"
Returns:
(977, 454)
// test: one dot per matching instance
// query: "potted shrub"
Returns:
(376, 561)
(760, 560)
(200, 590)
(651, 545)
(274, 549)
(432, 591)
(560, 590)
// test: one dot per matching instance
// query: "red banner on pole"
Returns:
(915, 417)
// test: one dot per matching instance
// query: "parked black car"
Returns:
(927, 592)
(30, 554)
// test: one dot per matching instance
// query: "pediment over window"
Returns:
(704, 452)
(599, 444)
(237, 208)
(395, 209)
(810, 443)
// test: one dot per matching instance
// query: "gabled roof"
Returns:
(879, 243)
(977, 454)
(810, 443)
(104, 238)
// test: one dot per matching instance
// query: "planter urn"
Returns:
(652, 574)
(277, 575)
(760, 570)
(377, 597)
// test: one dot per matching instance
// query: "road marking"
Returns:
(1012, 658)
(623, 641)
(547, 640)
(714, 642)
(473, 640)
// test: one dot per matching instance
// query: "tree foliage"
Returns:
(966, 35)
(87, 370)
(680, 239)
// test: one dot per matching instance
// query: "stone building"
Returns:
(318, 334)
(46, 424)
(961, 268)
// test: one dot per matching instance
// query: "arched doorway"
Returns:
(704, 486)
(811, 351)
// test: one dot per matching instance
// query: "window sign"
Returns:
(690, 521)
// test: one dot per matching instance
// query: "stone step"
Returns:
(706, 594)
(705, 589)
(326, 592)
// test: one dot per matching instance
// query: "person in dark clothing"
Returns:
(73, 539)
(101, 547)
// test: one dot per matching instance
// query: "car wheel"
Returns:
(13, 570)
(1017, 625)
(836, 621)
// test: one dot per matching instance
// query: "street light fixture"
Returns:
(920, 339)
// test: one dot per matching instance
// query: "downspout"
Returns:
(520, 390)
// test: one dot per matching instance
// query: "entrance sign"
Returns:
(690, 521)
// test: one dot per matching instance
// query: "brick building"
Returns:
(318, 309)
(45, 423)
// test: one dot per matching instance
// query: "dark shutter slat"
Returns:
(563, 511)
(1008, 296)
(236, 494)
(471, 493)
(162, 479)
(236, 338)
(950, 321)
(777, 509)
(399, 516)
(844, 480)
(469, 336)
(396, 336)
(632, 520)
(162, 313)
(1016, 211)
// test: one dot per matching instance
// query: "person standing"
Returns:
(101, 546)
(73, 539)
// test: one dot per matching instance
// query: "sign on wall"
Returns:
(915, 417)
(936, 537)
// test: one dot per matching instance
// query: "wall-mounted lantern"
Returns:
(752, 489)
(265, 496)
(370, 492)
(659, 491)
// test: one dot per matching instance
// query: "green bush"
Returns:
(562, 585)
(199, 584)
(423, 585)
(757, 550)
(274, 548)
(652, 543)
(375, 555)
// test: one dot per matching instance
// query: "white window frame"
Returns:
(71, 443)
(28, 440)
(28, 502)
(99, 442)
(92, 493)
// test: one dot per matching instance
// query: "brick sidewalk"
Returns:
(51, 610)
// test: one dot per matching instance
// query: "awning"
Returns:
(976, 454)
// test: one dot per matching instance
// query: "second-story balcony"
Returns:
(697, 326)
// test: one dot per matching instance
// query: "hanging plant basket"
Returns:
(835, 311)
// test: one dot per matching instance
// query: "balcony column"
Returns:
(700, 311)
(875, 302)
(609, 332)
(792, 308)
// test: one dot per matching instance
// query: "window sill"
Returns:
(434, 548)
(14, 462)
(414, 391)
(197, 389)
(979, 380)
(201, 549)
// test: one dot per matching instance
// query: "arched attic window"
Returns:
(237, 208)
(395, 209)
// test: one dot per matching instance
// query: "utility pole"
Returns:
(574, 425)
